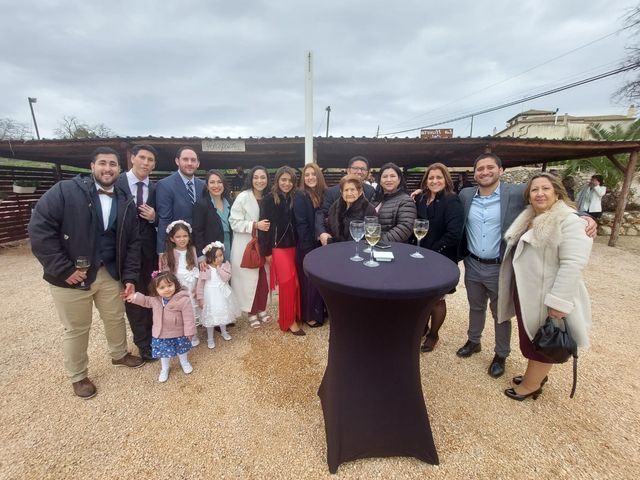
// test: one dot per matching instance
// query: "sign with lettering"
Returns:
(223, 146)
(432, 133)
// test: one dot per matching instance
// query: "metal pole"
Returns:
(471, 131)
(308, 96)
(33, 100)
(328, 109)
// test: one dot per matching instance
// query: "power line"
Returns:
(515, 76)
(526, 99)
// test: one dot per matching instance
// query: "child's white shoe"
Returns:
(186, 367)
(211, 343)
(164, 375)
(225, 335)
(195, 341)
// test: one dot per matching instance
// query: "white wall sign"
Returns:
(223, 146)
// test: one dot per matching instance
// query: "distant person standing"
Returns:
(589, 199)
(136, 182)
(91, 220)
(177, 193)
(237, 183)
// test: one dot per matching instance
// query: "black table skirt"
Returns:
(371, 392)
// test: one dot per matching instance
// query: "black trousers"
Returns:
(140, 318)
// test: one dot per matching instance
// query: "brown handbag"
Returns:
(252, 258)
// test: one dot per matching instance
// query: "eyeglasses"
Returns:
(359, 169)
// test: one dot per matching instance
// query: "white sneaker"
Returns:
(195, 341)
(226, 336)
(186, 367)
(211, 344)
(164, 375)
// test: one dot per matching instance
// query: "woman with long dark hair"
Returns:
(442, 207)
(278, 245)
(211, 214)
(249, 285)
(305, 205)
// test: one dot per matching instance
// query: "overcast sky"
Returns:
(222, 68)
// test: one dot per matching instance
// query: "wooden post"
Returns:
(622, 200)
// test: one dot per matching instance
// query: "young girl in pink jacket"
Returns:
(173, 320)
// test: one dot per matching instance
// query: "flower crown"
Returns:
(157, 273)
(173, 224)
(208, 248)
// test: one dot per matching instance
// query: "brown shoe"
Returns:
(84, 389)
(128, 360)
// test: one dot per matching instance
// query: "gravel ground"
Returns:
(250, 408)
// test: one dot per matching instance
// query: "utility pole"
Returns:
(471, 131)
(328, 109)
(308, 108)
(33, 100)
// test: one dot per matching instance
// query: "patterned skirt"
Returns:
(169, 347)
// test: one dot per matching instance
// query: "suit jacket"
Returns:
(511, 205)
(148, 234)
(173, 203)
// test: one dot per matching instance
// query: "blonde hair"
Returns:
(557, 185)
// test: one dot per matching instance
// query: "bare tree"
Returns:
(12, 130)
(631, 89)
(72, 127)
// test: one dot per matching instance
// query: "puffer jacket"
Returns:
(396, 214)
(173, 320)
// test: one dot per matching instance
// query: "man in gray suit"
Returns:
(489, 211)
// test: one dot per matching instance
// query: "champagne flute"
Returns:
(420, 229)
(83, 264)
(356, 228)
(372, 234)
(372, 220)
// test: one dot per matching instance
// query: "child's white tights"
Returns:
(165, 366)
(223, 332)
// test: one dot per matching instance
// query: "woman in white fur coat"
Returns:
(541, 276)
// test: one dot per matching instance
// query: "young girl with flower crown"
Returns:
(173, 321)
(180, 258)
(219, 306)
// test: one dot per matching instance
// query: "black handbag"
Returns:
(557, 345)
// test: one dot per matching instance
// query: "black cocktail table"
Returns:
(371, 392)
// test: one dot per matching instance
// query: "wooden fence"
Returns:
(15, 209)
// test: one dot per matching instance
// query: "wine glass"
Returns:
(83, 264)
(372, 234)
(369, 221)
(420, 229)
(356, 228)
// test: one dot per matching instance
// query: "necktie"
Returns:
(192, 194)
(104, 192)
(139, 197)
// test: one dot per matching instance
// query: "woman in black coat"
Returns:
(352, 205)
(445, 213)
(305, 205)
(211, 214)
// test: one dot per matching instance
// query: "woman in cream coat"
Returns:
(249, 285)
(541, 276)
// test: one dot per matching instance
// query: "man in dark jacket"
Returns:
(359, 166)
(89, 218)
(136, 182)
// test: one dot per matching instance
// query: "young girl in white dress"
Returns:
(219, 306)
(180, 258)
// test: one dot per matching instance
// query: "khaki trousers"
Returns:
(75, 308)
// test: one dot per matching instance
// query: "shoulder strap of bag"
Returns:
(575, 363)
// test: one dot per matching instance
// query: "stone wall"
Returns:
(630, 224)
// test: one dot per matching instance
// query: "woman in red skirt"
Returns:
(278, 245)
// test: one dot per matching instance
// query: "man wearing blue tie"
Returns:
(176, 194)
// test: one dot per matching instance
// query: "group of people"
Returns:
(173, 253)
